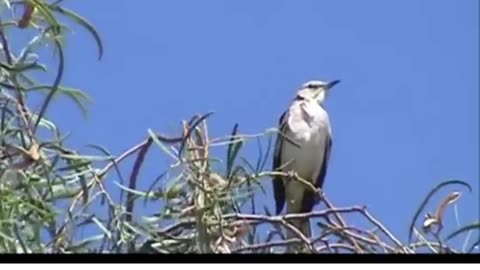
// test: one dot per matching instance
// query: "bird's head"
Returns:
(316, 90)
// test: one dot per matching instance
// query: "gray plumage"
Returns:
(307, 123)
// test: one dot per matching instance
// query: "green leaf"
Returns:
(83, 157)
(23, 67)
(45, 123)
(7, 4)
(232, 151)
(83, 246)
(160, 144)
(81, 164)
(136, 192)
(56, 84)
(63, 192)
(47, 14)
(463, 229)
(84, 23)
(79, 97)
(269, 147)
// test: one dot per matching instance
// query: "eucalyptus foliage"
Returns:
(204, 204)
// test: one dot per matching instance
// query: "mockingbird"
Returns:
(307, 124)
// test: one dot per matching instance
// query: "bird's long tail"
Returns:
(298, 201)
(303, 225)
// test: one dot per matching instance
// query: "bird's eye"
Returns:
(312, 86)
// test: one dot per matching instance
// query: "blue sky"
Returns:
(405, 116)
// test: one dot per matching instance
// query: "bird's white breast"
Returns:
(309, 127)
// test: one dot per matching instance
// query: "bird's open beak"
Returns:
(332, 84)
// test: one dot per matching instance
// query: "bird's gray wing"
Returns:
(278, 186)
(309, 197)
(326, 158)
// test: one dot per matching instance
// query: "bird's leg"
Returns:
(320, 195)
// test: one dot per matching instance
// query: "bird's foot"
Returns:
(320, 195)
(292, 175)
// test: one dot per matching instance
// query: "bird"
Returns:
(303, 147)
